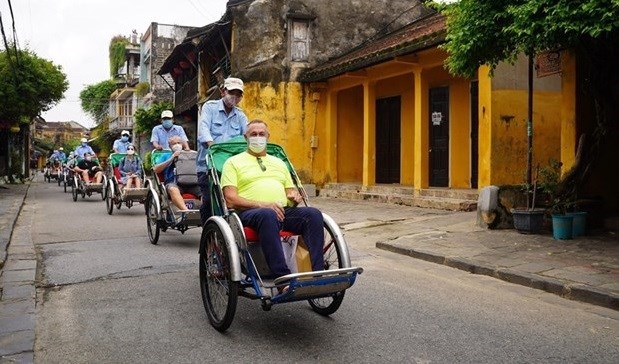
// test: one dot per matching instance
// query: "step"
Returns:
(440, 203)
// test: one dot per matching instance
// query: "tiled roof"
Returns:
(421, 34)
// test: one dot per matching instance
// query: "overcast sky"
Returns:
(76, 34)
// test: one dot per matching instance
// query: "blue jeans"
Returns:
(305, 221)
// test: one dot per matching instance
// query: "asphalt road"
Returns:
(106, 295)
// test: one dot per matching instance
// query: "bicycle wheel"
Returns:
(332, 260)
(74, 192)
(109, 203)
(152, 215)
(219, 292)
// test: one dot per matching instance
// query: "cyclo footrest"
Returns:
(316, 284)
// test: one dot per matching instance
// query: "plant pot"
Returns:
(562, 227)
(528, 221)
(579, 223)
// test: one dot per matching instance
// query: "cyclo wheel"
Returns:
(109, 203)
(74, 192)
(152, 215)
(64, 181)
(332, 260)
(219, 292)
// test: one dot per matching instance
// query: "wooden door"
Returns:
(439, 137)
(388, 140)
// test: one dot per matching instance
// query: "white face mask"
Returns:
(177, 147)
(231, 100)
(257, 144)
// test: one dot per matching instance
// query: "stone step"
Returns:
(461, 194)
(440, 203)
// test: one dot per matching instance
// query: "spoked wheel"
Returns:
(58, 178)
(65, 184)
(219, 292)
(109, 202)
(152, 215)
(332, 260)
(103, 189)
(74, 192)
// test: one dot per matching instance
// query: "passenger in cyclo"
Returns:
(88, 168)
(130, 169)
(175, 191)
(260, 188)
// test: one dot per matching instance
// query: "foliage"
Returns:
(95, 99)
(70, 145)
(142, 88)
(146, 119)
(490, 31)
(148, 164)
(550, 179)
(117, 53)
(30, 85)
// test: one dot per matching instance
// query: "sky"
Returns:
(76, 34)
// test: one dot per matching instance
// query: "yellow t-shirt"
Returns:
(244, 172)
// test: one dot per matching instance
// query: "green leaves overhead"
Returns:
(490, 31)
(95, 99)
(30, 85)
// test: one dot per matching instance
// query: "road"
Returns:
(106, 295)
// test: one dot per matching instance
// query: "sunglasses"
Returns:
(130, 149)
(262, 166)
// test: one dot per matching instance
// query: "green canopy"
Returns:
(220, 152)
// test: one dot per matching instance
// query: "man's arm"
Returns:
(204, 127)
(158, 168)
(154, 139)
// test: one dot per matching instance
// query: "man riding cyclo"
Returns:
(89, 168)
(167, 168)
(260, 188)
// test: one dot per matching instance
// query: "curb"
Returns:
(573, 291)
(5, 237)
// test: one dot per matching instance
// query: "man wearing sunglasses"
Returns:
(260, 187)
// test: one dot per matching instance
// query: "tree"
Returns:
(490, 31)
(30, 85)
(147, 119)
(95, 99)
(117, 53)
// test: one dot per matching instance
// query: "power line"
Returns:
(15, 42)
(8, 54)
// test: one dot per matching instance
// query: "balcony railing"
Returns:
(121, 122)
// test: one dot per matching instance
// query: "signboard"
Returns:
(548, 63)
(437, 117)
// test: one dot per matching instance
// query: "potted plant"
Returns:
(566, 223)
(529, 220)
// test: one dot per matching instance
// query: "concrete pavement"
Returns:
(584, 269)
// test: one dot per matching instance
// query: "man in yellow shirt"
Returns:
(261, 188)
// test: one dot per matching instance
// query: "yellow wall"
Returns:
(509, 133)
(288, 112)
(350, 135)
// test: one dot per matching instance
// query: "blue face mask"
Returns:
(84, 144)
(167, 124)
(124, 138)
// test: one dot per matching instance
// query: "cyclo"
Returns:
(232, 263)
(53, 170)
(114, 195)
(81, 187)
(67, 175)
(161, 215)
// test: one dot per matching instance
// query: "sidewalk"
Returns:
(584, 269)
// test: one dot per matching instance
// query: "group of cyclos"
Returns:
(231, 261)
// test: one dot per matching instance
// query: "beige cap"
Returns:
(124, 132)
(167, 114)
(232, 83)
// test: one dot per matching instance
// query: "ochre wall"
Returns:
(350, 135)
(289, 113)
(509, 133)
